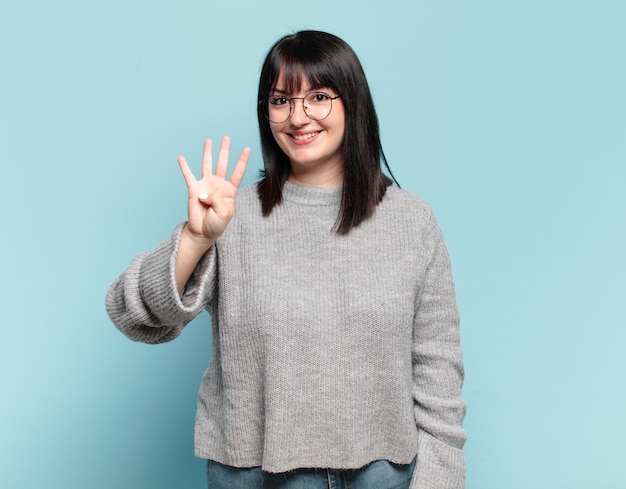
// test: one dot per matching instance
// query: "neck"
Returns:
(329, 177)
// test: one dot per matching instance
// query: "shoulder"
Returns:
(405, 204)
(412, 217)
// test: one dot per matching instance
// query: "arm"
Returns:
(144, 302)
(163, 290)
(438, 374)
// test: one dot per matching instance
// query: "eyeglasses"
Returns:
(316, 105)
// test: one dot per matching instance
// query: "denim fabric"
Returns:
(377, 475)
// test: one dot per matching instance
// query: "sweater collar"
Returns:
(310, 195)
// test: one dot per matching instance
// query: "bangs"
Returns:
(294, 72)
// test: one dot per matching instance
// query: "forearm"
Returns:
(143, 301)
(190, 252)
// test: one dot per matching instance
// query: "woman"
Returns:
(335, 359)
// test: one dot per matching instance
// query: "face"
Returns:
(311, 146)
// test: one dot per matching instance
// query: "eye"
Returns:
(278, 101)
(318, 97)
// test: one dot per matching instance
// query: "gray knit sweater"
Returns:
(328, 350)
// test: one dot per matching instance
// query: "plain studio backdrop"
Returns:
(509, 117)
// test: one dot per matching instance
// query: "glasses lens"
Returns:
(277, 109)
(317, 105)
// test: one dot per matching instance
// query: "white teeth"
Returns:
(304, 136)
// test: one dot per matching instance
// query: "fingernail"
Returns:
(203, 196)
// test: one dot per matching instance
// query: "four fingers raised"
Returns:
(221, 167)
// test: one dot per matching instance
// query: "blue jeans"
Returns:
(377, 475)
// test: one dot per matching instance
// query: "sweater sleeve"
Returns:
(438, 374)
(144, 303)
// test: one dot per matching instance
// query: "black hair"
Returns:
(325, 60)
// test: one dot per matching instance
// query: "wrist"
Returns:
(198, 242)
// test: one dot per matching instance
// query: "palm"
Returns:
(211, 201)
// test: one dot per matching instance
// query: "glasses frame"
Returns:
(265, 102)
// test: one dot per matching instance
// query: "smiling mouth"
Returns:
(304, 137)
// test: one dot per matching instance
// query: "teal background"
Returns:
(509, 117)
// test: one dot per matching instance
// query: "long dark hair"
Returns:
(325, 60)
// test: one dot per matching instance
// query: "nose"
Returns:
(298, 114)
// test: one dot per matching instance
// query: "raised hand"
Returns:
(210, 205)
(211, 200)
